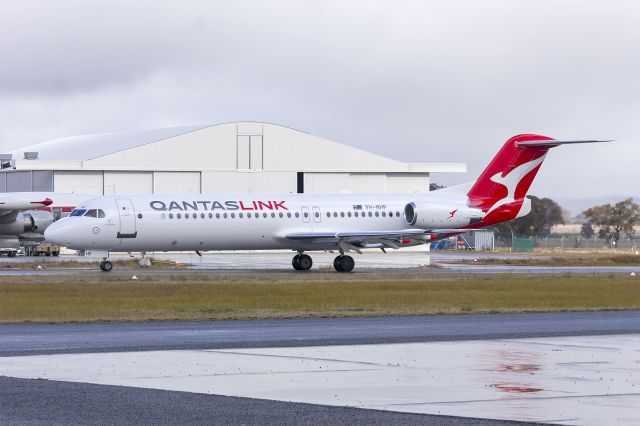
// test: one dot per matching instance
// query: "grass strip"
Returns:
(565, 260)
(182, 297)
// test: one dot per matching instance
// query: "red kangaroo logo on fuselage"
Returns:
(452, 213)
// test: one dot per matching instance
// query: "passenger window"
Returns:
(170, 215)
(349, 214)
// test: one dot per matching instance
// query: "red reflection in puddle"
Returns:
(515, 388)
(519, 368)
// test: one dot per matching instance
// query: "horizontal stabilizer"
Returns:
(552, 143)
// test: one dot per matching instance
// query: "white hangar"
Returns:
(245, 157)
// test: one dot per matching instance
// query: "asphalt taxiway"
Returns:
(35, 339)
(231, 263)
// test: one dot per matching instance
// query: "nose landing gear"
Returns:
(106, 266)
(302, 262)
(344, 263)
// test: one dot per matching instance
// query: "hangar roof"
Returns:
(87, 147)
(214, 147)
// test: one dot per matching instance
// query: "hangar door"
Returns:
(176, 182)
(249, 151)
(128, 183)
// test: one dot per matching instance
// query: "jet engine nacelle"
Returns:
(26, 222)
(439, 216)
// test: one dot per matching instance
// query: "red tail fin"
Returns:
(501, 188)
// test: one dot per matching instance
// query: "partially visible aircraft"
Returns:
(24, 216)
(307, 222)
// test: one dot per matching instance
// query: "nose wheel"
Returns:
(106, 266)
(302, 262)
(344, 263)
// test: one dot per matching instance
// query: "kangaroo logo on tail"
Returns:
(512, 180)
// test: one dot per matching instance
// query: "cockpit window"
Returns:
(91, 213)
(78, 212)
(100, 213)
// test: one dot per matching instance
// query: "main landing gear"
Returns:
(302, 262)
(106, 266)
(344, 263)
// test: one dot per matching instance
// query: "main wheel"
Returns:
(344, 263)
(305, 262)
(106, 266)
(295, 262)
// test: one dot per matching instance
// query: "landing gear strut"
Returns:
(344, 263)
(302, 262)
(106, 266)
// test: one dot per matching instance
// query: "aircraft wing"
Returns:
(12, 203)
(23, 201)
(357, 240)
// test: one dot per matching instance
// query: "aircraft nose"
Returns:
(57, 233)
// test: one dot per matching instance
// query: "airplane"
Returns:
(307, 222)
(24, 216)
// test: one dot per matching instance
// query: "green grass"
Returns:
(117, 298)
(564, 260)
(49, 263)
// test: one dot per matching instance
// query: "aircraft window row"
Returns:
(273, 215)
(363, 214)
(99, 213)
(225, 215)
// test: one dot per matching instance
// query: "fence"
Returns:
(521, 244)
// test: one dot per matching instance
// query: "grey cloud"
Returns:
(418, 81)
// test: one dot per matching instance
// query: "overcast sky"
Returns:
(420, 81)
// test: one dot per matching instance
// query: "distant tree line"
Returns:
(612, 221)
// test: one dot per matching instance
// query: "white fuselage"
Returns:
(245, 221)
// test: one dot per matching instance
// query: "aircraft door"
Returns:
(305, 214)
(317, 217)
(127, 218)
